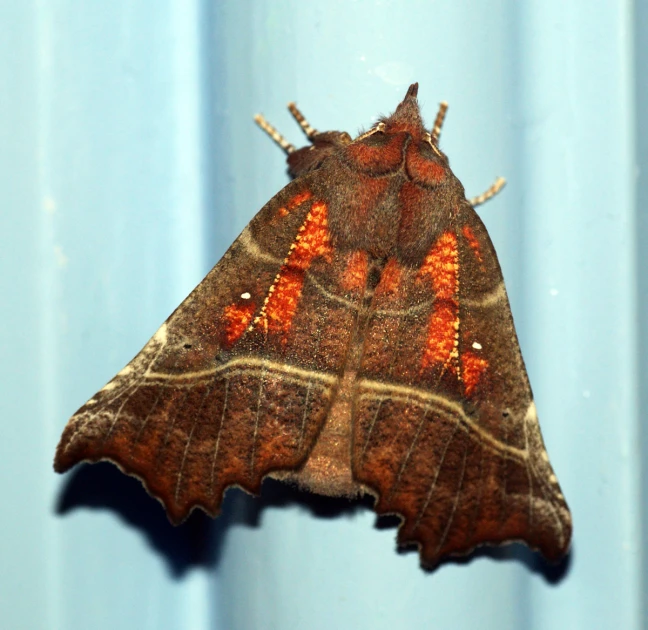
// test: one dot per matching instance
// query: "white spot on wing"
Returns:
(245, 296)
(476, 345)
(531, 413)
(161, 335)
(108, 386)
(127, 370)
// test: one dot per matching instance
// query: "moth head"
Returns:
(407, 116)
(383, 149)
(401, 139)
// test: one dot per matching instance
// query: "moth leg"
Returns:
(495, 187)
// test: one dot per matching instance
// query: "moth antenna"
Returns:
(495, 187)
(310, 132)
(274, 134)
(438, 123)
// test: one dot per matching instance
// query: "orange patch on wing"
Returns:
(294, 202)
(355, 273)
(283, 300)
(473, 242)
(311, 242)
(237, 318)
(442, 338)
(472, 367)
(390, 278)
(442, 266)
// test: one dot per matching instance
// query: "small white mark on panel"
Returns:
(49, 205)
(61, 258)
(245, 296)
(476, 345)
(553, 292)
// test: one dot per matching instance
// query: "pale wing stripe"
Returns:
(487, 299)
(531, 415)
(353, 306)
(134, 388)
(160, 337)
(492, 298)
(375, 390)
(250, 363)
(383, 312)
(450, 408)
(548, 499)
(527, 464)
(252, 247)
(395, 343)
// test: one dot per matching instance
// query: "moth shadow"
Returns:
(103, 486)
(553, 573)
(198, 542)
(245, 509)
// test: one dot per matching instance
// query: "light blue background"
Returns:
(129, 162)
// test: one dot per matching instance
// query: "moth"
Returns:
(355, 338)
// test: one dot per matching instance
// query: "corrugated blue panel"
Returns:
(102, 211)
(128, 162)
(641, 251)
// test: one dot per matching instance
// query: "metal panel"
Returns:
(101, 229)
(128, 162)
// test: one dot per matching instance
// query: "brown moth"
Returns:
(355, 338)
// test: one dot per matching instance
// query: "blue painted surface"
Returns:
(128, 163)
